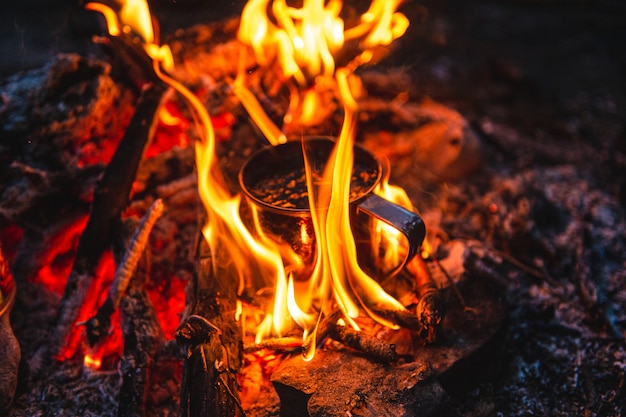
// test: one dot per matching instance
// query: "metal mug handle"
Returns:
(407, 222)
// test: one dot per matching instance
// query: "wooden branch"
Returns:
(354, 339)
(430, 308)
(98, 326)
(283, 344)
(141, 331)
(111, 196)
(129, 58)
(365, 343)
(143, 338)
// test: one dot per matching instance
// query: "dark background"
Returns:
(561, 52)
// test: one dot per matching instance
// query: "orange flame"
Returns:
(300, 43)
(133, 16)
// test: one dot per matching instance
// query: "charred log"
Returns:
(211, 340)
(141, 331)
(282, 345)
(143, 338)
(360, 341)
(111, 196)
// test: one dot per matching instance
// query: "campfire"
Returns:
(239, 224)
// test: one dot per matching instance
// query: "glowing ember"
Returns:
(56, 263)
(104, 274)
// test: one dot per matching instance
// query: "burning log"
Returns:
(211, 339)
(430, 306)
(111, 196)
(143, 339)
(143, 336)
(283, 344)
(365, 343)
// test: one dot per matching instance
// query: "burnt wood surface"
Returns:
(210, 336)
(142, 335)
(111, 197)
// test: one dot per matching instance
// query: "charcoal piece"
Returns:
(67, 110)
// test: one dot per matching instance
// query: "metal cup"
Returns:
(269, 179)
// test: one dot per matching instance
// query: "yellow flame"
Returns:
(133, 16)
(301, 40)
(136, 14)
(385, 238)
(110, 17)
(130, 16)
(301, 43)
(92, 361)
(380, 25)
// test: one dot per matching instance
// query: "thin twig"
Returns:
(283, 344)
(358, 340)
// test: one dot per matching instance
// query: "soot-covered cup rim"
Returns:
(299, 211)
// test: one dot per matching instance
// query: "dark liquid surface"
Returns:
(288, 189)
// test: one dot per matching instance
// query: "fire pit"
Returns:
(126, 302)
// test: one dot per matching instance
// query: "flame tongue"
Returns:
(299, 44)
(301, 41)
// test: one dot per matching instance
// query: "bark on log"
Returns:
(211, 337)
(142, 340)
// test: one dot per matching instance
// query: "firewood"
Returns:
(110, 198)
(429, 309)
(141, 331)
(97, 326)
(363, 342)
(143, 338)
(354, 339)
(212, 340)
(283, 344)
